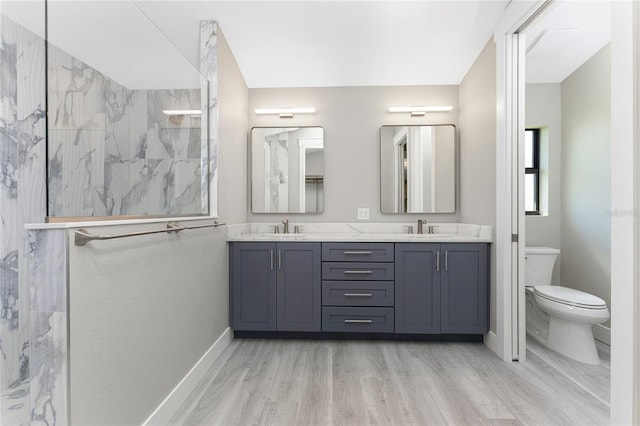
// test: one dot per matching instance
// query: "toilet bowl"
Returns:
(560, 317)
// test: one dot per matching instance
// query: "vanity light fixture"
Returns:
(419, 111)
(285, 112)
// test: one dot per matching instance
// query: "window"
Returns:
(532, 171)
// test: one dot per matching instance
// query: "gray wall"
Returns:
(586, 177)
(478, 150)
(351, 118)
(143, 311)
(232, 133)
(544, 111)
(147, 310)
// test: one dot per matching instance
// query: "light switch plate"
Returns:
(363, 213)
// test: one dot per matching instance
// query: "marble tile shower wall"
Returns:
(277, 186)
(209, 70)
(49, 340)
(113, 152)
(22, 200)
(33, 332)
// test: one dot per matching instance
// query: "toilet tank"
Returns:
(538, 265)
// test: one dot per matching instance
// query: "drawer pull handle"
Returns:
(358, 321)
(358, 272)
(358, 252)
(358, 295)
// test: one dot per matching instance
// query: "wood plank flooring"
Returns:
(324, 382)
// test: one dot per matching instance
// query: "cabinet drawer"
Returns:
(357, 271)
(357, 293)
(357, 252)
(364, 320)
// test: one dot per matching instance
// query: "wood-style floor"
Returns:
(321, 382)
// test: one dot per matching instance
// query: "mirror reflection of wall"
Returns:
(287, 170)
(417, 169)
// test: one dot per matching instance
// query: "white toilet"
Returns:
(560, 317)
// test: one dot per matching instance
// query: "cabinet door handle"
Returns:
(358, 295)
(438, 261)
(446, 260)
(358, 321)
(358, 272)
(271, 259)
(358, 252)
(279, 260)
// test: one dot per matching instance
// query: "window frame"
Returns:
(535, 170)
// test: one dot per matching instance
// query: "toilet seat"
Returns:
(569, 296)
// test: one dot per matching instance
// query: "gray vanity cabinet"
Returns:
(441, 288)
(464, 292)
(275, 286)
(357, 287)
(253, 286)
(299, 288)
(417, 288)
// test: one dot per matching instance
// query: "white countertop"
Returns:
(369, 232)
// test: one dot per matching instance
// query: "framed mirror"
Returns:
(287, 169)
(418, 169)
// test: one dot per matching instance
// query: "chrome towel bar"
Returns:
(82, 236)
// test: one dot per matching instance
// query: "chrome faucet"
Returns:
(420, 223)
(285, 228)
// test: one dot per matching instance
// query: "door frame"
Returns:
(507, 337)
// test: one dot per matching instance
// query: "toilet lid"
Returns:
(569, 296)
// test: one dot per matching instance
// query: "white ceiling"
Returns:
(338, 43)
(564, 37)
(307, 43)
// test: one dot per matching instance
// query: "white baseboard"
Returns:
(492, 341)
(179, 394)
(602, 333)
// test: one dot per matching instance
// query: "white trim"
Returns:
(167, 408)
(602, 333)
(499, 339)
(504, 339)
(492, 341)
(96, 223)
(635, 29)
(516, 14)
(302, 173)
(624, 326)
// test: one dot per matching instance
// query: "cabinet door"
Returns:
(417, 289)
(299, 287)
(463, 284)
(253, 286)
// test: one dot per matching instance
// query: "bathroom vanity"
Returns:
(361, 282)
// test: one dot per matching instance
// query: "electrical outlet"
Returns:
(363, 213)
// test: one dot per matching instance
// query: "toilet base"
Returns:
(573, 339)
(569, 338)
